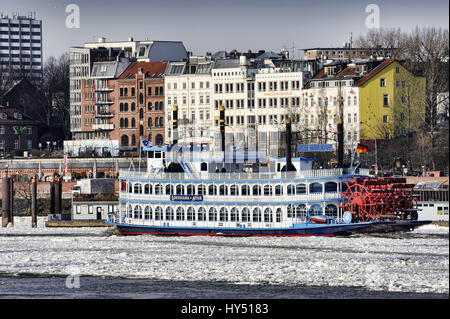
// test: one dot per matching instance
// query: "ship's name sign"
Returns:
(187, 198)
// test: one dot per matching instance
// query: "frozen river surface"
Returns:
(69, 262)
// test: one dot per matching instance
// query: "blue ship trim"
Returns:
(295, 230)
(228, 203)
(237, 180)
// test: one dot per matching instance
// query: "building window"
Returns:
(382, 82)
(385, 100)
(397, 69)
(385, 118)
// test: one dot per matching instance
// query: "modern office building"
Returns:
(21, 47)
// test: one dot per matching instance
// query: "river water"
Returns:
(96, 263)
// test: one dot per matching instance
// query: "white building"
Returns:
(321, 108)
(192, 94)
(258, 98)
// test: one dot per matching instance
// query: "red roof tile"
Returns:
(375, 71)
(149, 68)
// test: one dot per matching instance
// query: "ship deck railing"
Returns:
(313, 173)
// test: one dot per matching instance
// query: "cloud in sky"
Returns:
(211, 25)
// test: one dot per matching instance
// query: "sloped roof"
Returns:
(151, 69)
(375, 71)
(226, 63)
(348, 71)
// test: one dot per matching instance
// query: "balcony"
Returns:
(101, 101)
(103, 113)
(103, 127)
(103, 89)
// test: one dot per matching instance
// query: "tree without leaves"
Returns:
(56, 89)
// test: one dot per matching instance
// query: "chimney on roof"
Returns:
(242, 60)
(101, 40)
(130, 39)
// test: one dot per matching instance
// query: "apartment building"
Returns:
(21, 46)
(189, 88)
(257, 95)
(140, 105)
(329, 96)
(82, 59)
(347, 53)
(18, 132)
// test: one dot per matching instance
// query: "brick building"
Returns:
(140, 105)
(18, 132)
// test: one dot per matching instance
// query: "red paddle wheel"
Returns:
(379, 199)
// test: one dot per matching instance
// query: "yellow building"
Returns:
(392, 101)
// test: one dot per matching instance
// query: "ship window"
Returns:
(190, 189)
(291, 189)
(256, 190)
(223, 190)
(234, 215)
(191, 213)
(245, 214)
(223, 214)
(180, 213)
(158, 213)
(148, 212)
(169, 189)
(129, 211)
(201, 214)
(331, 210)
(158, 189)
(300, 211)
(330, 187)
(256, 214)
(278, 190)
(147, 189)
(212, 190)
(212, 214)
(137, 188)
(204, 166)
(315, 188)
(300, 189)
(234, 190)
(201, 190)
(130, 188)
(245, 190)
(278, 215)
(315, 210)
(180, 189)
(169, 213)
(267, 190)
(138, 212)
(268, 217)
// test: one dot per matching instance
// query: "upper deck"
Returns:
(239, 177)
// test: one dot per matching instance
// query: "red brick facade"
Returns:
(140, 105)
(11, 118)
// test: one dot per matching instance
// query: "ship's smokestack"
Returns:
(222, 127)
(340, 129)
(175, 124)
(289, 167)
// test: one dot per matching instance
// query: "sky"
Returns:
(212, 25)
